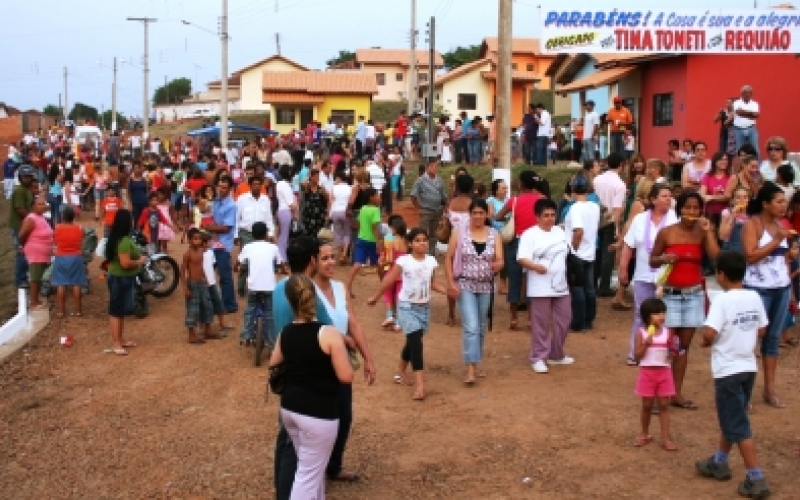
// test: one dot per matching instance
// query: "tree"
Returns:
(105, 120)
(51, 110)
(173, 92)
(343, 56)
(461, 55)
(82, 111)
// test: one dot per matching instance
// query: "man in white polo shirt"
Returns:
(611, 190)
(591, 130)
(745, 113)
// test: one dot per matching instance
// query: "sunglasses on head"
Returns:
(774, 148)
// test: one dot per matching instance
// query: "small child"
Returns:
(630, 144)
(198, 303)
(395, 246)
(653, 346)
(108, 209)
(261, 256)
(165, 232)
(365, 249)
(413, 307)
(447, 152)
(149, 222)
(209, 261)
(735, 322)
(552, 149)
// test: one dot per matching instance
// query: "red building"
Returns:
(681, 95)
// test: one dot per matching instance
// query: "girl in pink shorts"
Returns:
(654, 349)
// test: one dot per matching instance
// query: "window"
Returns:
(398, 77)
(343, 116)
(285, 117)
(436, 97)
(422, 77)
(380, 78)
(662, 110)
(529, 67)
(467, 102)
(514, 66)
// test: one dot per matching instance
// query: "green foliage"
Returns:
(460, 56)
(51, 110)
(105, 120)
(173, 92)
(82, 111)
(344, 56)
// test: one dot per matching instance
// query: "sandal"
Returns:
(197, 341)
(514, 325)
(684, 405)
(668, 445)
(451, 321)
(400, 380)
(346, 476)
(631, 362)
(774, 402)
(130, 344)
(643, 440)
(621, 306)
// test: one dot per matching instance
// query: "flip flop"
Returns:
(684, 405)
(197, 341)
(130, 343)
(346, 476)
(621, 306)
(668, 446)
(643, 440)
(118, 352)
(514, 325)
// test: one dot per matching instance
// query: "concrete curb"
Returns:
(22, 327)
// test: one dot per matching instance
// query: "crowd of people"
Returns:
(305, 204)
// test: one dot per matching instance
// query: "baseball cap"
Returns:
(580, 183)
(589, 103)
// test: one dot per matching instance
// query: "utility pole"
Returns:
(146, 71)
(412, 61)
(431, 84)
(114, 99)
(66, 111)
(503, 111)
(223, 115)
(278, 43)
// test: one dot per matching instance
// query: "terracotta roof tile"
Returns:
(461, 70)
(320, 82)
(395, 56)
(233, 81)
(518, 45)
(270, 58)
(599, 79)
(291, 97)
(515, 75)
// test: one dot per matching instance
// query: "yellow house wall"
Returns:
(358, 103)
(470, 83)
(251, 85)
(285, 129)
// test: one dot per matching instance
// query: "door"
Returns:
(306, 117)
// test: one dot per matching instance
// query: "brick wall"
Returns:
(10, 132)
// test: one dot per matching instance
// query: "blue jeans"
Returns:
(54, 200)
(588, 149)
(541, 151)
(776, 304)
(584, 299)
(530, 150)
(225, 271)
(746, 135)
(20, 262)
(617, 143)
(475, 150)
(474, 313)
(514, 273)
(249, 320)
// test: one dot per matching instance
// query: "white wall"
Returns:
(469, 83)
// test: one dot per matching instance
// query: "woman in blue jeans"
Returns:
(474, 256)
(764, 242)
(55, 194)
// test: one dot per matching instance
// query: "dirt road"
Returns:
(181, 421)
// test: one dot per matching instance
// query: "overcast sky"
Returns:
(40, 37)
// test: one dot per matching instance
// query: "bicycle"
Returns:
(260, 315)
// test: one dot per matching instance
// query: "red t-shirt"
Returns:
(715, 186)
(195, 185)
(524, 216)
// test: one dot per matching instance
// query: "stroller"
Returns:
(88, 246)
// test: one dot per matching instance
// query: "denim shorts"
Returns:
(365, 251)
(413, 317)
(120, 295)
(686, 310)
(732, 395)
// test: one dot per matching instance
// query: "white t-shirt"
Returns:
(341, 195)
(285, 195)
(584, 215)
(208, 267)
(376, 177)
(545, 124)
(282, 157)
(370, 131)
(634, 238)
(741, 121)
(398, 163)
(590, 120)
(548, 248)
(736, 315)
(417, 276)
(261, 257)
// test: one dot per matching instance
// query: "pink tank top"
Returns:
(39, 245)
(657, 355)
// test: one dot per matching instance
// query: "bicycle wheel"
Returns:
(259, 347)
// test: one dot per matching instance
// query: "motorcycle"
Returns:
(159, 276)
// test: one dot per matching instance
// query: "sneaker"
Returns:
(565, 361)
(754, 488)
(712, 469)
(540, 367)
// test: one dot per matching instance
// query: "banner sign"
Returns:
(671, 31)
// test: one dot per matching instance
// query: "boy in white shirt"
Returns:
(261, 257)
(209, 261)
(735, 322)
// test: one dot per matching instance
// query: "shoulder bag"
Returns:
(508, 232)
(277, 378)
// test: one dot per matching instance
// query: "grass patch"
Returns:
(557, 176)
